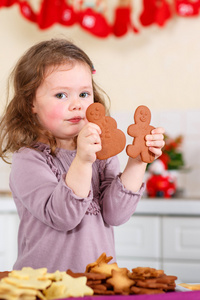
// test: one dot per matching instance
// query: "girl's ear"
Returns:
(33, 108)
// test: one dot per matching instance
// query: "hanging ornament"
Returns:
(160, 182)
(49, 13)
(163, 12)
(27, 11)
(148, 14)
(67, 14)
(7, 3)
(122, 21)
(186, 8)
(94, 21)
(155, 11)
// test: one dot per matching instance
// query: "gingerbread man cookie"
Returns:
(113, 140)
(139, 130)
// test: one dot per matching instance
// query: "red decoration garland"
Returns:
(156, 12)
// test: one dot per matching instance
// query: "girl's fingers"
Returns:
(157, 143)
(154, 137)
(94, 127)
(158, 130)
(94, 139)
(90, 129)
(156, 151)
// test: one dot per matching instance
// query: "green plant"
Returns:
(172, 155)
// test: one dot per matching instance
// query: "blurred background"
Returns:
(145, 52)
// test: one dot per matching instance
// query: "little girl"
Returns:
(67, 200)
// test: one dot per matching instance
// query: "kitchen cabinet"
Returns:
(171, 243)
(9, 223)
(163, 234)
(138, 242)
(181, 247)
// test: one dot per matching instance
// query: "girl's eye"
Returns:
(60, 95)
(84, 95)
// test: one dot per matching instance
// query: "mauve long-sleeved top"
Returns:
(59, 230)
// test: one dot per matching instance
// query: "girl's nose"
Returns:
(75, 104)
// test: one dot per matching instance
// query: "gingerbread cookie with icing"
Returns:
(139, 130)
(113, 140)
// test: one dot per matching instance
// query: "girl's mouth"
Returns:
(75, 120)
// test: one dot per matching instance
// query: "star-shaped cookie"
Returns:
(69, 287)
(120, 280)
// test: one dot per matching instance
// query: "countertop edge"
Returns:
(146, 206)
(168, 206)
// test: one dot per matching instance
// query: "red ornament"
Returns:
(94, 22)
(165, 159)
(122, 22)
(147, 16)
(27, 11)
(7, 3)
(67, 15)
(155, 11)
(49, 13)
(163, 12)
(161, 186)
(186, 8)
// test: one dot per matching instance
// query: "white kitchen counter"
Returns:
(150, 206)
(7, 205)
(174, 206)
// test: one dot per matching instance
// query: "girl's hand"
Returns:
(155, 141)
(88, 142)
(79, 175)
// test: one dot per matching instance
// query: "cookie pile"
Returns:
(151, 281)
(99, 278)
(109, 279)
(33, 284)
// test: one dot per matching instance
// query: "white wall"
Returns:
(159, 67)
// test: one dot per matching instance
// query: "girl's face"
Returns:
(62, 99)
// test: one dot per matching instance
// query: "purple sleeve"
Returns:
(35, 187)
(118, 203)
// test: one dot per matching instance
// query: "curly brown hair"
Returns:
(19, 126)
